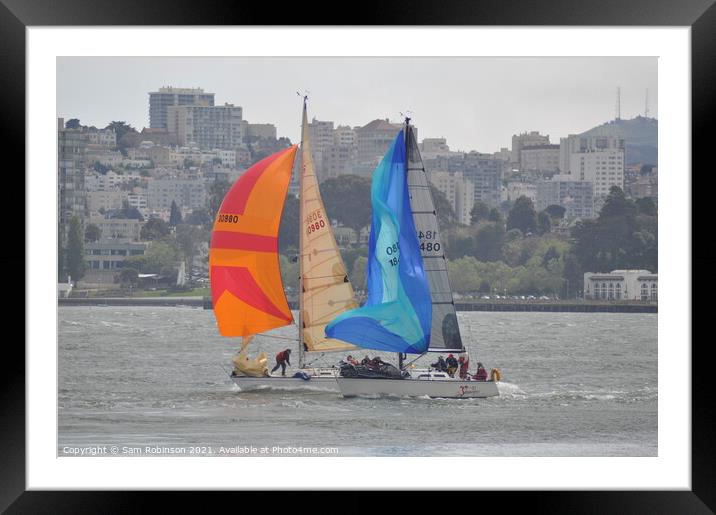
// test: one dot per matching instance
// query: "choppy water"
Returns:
(575, 384)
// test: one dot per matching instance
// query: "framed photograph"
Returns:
(198, 307)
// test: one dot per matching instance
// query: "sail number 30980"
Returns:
(314, 221)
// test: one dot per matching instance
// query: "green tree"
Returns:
(175, 215)
(199, 216)
(128, 277)
(480, 211)
(160, 258)
(488, 242)
(544, 223)
(288, 233)
(154, 229)
(646, 206)
(92, 233)
(495, 216)
(522, 216)
(357, 275)
(120, 128)
(347, 200)
(217, 192)
(76, 265)
(189, 238)
(72, 123)
(443, 208)
(556, 211)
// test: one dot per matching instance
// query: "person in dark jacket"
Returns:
(282, 359)
(451, 365)
(440, 365)
(365, 361)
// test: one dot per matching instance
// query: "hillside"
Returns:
(641, 135)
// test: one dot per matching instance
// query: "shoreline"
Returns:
(577, 306)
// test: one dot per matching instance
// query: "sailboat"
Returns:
(410, 309)
(247, 290)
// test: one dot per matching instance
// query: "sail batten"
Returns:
(445, 334)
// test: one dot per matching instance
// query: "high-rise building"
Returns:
(459, 191)
(160, 101)
(71, 201)
(539, 158)
(597, 159)
(526, 139)
(209, 127)
(374, 139)
(577, 197)
(485, 173)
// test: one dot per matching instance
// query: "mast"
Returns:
(301, 354)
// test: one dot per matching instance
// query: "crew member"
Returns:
(440, 365)
(481, 374)
(282, 359)
(464, 365)
(451, 365)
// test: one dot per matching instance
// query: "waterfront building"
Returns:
(102, 138)
(160, 101)
(622, 285)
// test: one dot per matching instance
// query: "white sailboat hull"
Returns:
(442, 388)
(320, 379)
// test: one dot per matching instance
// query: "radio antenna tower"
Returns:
(618, 106)
(646, 104)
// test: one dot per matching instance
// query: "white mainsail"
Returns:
(325, 291)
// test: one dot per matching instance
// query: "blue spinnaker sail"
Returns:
(397, 316)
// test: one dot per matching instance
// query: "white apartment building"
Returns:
(597, 159)
(207, 126)
(577, 197)
(526, 139)
(188, 193)
(102, 137)
(121, 229)
(459, 191)
(160, 101)
(95, 181)
(543, 158)
(520, 188)
(106, 200)
(622, 285)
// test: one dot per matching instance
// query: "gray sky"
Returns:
(477, 103)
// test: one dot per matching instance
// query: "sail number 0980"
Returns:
(314, 221)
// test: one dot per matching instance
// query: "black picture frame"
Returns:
(16, 15)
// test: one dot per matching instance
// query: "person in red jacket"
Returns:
(464, 365)
(282, 358)
(481, 374)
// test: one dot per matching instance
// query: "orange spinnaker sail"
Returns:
(246, 287)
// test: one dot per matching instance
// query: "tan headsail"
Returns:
(326, 291)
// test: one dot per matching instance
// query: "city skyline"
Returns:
(556, 96)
